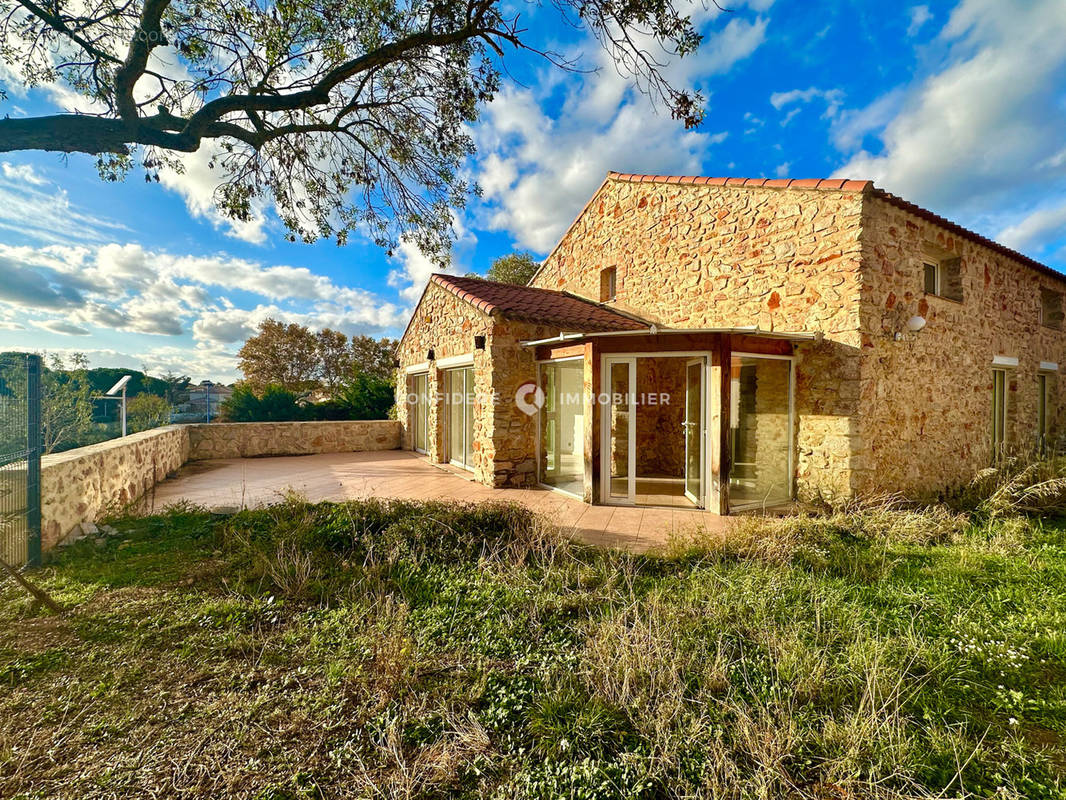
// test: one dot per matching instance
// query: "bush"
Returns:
(274, 405)
(1020, 485)
(146, 411)
(364, 397)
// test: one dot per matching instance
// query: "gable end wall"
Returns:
(698, 256)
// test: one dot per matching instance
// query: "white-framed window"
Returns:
(942, 277)
(931, 275)
(418, 411)
(1042, 417)
(999, 411)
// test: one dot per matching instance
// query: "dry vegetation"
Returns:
(433, 650)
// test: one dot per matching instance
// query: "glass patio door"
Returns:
(562, 426)
(459, 387)
(619, 466)
(694, 426)
(419, 412)
(760, 431)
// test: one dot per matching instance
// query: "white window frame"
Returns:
(791, 359)
(538, 450)
(937, 275)
(468, 408)
(412, 376)
(999, 409)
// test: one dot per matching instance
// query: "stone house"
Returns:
(731, 343)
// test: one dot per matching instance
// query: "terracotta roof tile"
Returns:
(560, 310)
(966, 233)
(844, 185)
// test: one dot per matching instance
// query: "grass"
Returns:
(427, 650)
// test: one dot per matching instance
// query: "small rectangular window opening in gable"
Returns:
(942, 276)
(1051, 308)
(608, 284)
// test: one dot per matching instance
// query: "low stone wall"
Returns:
(81, 485)
(84, 484)
(253, 439)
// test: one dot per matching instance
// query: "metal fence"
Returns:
(20, 459)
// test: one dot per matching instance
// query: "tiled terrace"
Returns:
(251, 482)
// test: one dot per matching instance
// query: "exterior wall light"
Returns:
(430, 356)
(915, 323)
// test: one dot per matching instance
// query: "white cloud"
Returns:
(131, 289)
(797, 98)
(63, 327)
(1039, 226)
(982, 137)
(35, 207)
(196, 183)
(537, 169)
(919, 15)
(22, 172)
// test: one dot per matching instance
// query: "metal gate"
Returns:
(20, 459)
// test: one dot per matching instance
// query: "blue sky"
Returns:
(960, 107)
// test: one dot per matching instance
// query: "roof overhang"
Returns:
(653, 330)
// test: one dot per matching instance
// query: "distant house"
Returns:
(731, 343)
(204, 393)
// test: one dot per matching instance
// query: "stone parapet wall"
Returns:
(255, 439)
(82, 485)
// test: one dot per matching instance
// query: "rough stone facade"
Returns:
(689, 256)
(504, 438)
(925, 410)
(876, 406)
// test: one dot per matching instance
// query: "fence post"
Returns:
(33, 460)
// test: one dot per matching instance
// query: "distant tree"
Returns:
(177, 387)
(273, 404)
(367, 396)
(335, 359)
(145, 411)
(286, 356)
(374, 356)
(66, 402)
(516, 268)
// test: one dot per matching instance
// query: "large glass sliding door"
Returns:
(619, 464)
(562, 426)
(418, 412)
(760, 431)
(694, 425)
(459, 391)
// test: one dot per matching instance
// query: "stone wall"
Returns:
(254, 439)
(446, 325)
(926, 398)
(504, 439)
(697, 256)
(83, 484)
(660, 435)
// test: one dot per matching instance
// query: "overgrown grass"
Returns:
(431, 650)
